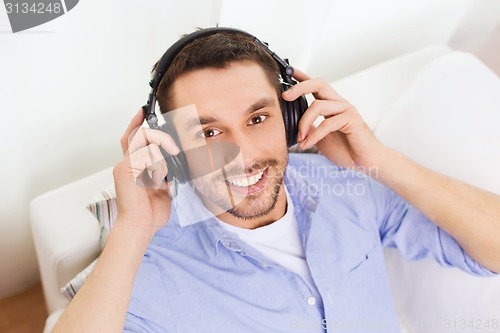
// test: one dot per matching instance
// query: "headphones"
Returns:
(291, 111)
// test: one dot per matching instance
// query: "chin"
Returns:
(257, 199)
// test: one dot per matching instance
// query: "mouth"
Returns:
(248, 184)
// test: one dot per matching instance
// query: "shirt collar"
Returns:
(191, 212)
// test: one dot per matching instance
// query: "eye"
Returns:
(257, 119)
(209, 133)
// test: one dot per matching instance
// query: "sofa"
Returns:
(395, 98)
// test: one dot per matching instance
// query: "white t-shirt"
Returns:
(279, 241)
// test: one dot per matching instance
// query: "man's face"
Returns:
(237, 104)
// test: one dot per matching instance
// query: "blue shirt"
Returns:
(197, 277)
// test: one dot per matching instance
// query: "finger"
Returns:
(144, 159)
(316, 109)
(136, 121)
(337, 156)
(329, 125)
(300, 75)
(148, 166)
(157, 177)
(145, 136)
(318, 87)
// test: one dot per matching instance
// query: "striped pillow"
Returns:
(103, 207)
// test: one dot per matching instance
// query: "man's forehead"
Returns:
(216, 85)
(182, 114)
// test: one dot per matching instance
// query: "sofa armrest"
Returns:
(65, 233)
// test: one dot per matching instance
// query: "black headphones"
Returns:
(291, 111)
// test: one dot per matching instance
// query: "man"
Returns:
(273, 242)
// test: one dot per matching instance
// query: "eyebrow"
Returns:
(260, 104)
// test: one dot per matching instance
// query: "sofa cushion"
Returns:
(448, 120)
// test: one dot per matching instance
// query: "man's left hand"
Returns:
(343, 137)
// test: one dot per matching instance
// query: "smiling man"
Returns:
(271, 242)
(250, 193)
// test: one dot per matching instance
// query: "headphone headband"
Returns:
(168, 57)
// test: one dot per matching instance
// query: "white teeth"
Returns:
(247, 181)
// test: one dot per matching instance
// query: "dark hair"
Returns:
(215, 51)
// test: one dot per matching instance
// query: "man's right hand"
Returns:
(144, 206)
(142, 193)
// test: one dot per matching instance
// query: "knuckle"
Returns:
(117, 168)
(331, 124)
(351, 110)
(123, 145)
(155, 150)
(168, 138)
(315, 105)
(318, 81)
(130, 135)
(130, 138)
(142, 133)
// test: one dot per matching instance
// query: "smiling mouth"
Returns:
(247, 180)
(248, 184)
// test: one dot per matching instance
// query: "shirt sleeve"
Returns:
(148, 309)
(416, 237)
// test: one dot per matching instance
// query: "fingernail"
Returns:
(299, 137)
(175, 150)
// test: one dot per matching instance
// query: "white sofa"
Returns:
(429, 298)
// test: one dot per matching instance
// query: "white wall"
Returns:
(333, 38)
(479, 33)
(360, 33)
(288, 26)
(69, 87)
(68, 90)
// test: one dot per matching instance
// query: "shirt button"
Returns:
(311, 300)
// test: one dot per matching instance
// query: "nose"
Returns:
(221, 154)
(211, 157)
(248, 147)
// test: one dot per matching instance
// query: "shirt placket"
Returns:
(309, 298)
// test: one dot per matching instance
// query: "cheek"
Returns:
(208, 180)
(273, 137)
(190, 141)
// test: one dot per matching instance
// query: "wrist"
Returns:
(384, 156)
(134, 238)
(392, 167)
(377, 162)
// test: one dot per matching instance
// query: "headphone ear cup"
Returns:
(176, 164)
(285, 106)
(177, 167)
(292, 113)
